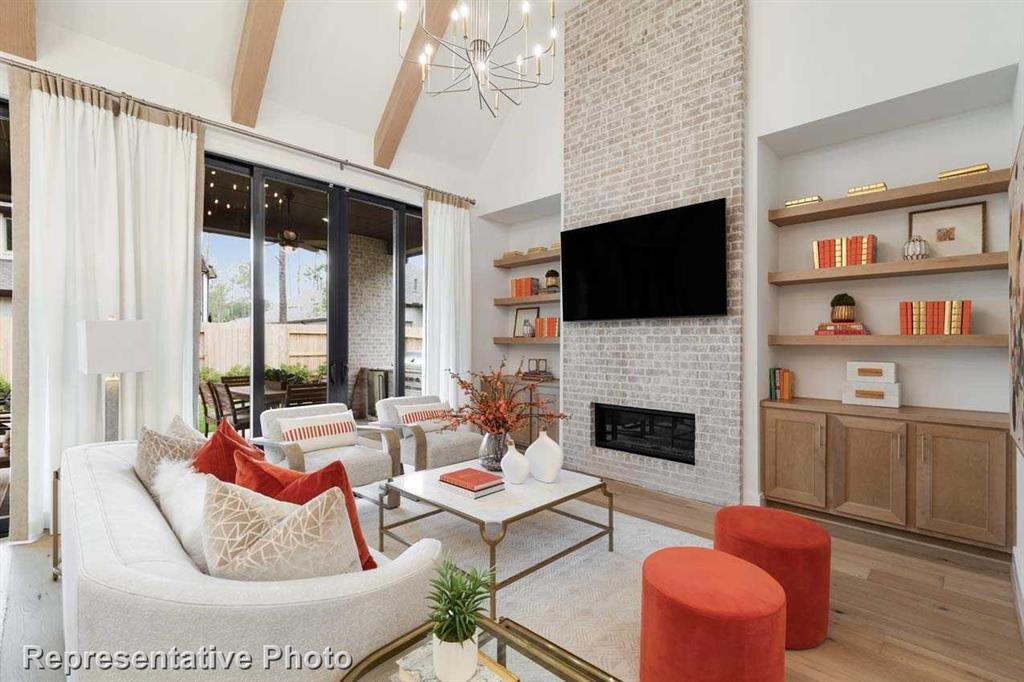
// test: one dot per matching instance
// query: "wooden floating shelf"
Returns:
(937, 415)
(531, 259)
(524, 300)
(897, 197)
(928, 266)
(975, 340)
(525, 340)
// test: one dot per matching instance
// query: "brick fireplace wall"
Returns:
(654, 97)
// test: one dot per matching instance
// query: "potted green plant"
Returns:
(456, 599)
(843, 308)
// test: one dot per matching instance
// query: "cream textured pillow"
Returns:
(321, 431)
(429, 416)
(155, 447)
(179, 429)
(244, 538)
(181, 494)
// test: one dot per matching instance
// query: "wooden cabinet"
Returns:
(867, 468)
(944, 473)
(794, 457)
(961, 482)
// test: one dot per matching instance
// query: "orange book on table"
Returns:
(470, 479)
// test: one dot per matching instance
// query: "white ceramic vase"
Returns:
(454, 661)
(545, 458)
(514, 465)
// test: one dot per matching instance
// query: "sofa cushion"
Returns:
(245, 539)
(181, 493)
(271, 419)
(363, 464)
(430, 417)
(286, 485)
(217, 455)
(320, 431)
(155, 447)
(444, 448)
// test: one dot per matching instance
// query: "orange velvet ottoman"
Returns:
(795, 551)
(708, 616)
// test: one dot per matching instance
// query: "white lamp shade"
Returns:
(114, 346)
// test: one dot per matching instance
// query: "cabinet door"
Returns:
(867, 468)
(961, 482)
(794, 457)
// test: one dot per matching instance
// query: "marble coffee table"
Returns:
(494, 513)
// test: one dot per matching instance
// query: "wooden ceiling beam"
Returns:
(407, 86)
(259, 32)
(18, 28)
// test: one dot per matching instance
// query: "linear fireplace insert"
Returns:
(653, 433)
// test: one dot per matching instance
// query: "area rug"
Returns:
(587, 602)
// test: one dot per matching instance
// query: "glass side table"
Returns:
(520, 654)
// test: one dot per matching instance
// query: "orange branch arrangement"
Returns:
(497, 405)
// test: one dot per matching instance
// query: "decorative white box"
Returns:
(873, 393)
(871, 371)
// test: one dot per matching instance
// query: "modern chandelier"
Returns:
(491, 58)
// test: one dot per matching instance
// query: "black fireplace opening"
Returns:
(653, 433)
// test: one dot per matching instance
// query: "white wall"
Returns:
(809, 60)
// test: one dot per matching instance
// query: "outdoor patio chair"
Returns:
(305, 394)
(228, 407)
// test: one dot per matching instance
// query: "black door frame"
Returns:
(338, 232)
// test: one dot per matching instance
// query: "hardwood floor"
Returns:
(33, 610)
(900, 611)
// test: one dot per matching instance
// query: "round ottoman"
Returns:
(795, 551)
(710, 617)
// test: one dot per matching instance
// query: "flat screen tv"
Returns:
(665, 264)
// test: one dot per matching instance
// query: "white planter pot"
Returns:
(514, 465)
(545, 458)
(454, 661)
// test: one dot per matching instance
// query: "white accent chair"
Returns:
(373, 458)
(128, 585)
(422, 449)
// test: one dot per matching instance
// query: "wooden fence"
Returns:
(223, 345)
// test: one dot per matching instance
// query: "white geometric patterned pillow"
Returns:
(321, 431)
(244, 538)
(154, 447)
(429, 417)
(179, 429)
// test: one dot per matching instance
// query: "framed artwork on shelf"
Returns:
(524, 323)
(952, 230)
(1016, 197)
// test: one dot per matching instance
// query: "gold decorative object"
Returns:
(813, 199)
(966, 170)
(557, 246)
(512, 254)
(866, 189)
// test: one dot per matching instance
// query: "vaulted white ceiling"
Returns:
(333, 60)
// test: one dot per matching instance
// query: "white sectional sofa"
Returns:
(129, 586)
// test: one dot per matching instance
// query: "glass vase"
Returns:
(492, 449)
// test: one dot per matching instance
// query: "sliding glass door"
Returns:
(304, 295)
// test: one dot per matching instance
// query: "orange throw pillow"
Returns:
(286, 485)
(217, 455)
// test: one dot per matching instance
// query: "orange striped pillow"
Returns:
(430, 416)
(321, 431)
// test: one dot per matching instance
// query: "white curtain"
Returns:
(112, 207)
(447, 337)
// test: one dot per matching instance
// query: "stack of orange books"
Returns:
(470, 482)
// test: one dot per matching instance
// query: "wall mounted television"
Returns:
(665, 264)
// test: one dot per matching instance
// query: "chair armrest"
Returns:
(392, 445)
(289, 451)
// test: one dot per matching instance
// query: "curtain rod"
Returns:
(343, 164)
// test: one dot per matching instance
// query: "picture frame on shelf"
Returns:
(951, 230)
(525, 315)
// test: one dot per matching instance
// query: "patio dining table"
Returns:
(271, 396)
